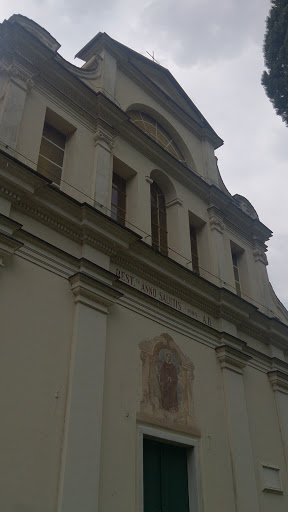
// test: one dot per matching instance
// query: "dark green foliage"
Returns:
(275, 79)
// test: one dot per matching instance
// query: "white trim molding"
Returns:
(193, 463)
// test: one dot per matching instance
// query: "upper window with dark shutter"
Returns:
(158, 219)
(118, 199)
(194, 250)
(51, 155)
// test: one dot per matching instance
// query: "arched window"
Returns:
(158, 219)
(152, 128)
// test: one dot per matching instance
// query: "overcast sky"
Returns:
(214, 50)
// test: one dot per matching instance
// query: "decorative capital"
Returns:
(30, 84)
(102, 135)
(217, 224)
(8, 244)
(149, 180)
(13, 71)
(260, 256)
(231, 358)
(92, 292)
(278, 381)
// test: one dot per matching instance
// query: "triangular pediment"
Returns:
(154, 75)
(164, 80)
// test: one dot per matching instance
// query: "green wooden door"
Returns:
(165, 477)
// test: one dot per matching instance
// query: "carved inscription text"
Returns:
(162, 296)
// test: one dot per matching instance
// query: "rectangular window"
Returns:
(194, 250)
(236, 273)
(158, 219)
(51, 155)
(118, 199)
(165, 476)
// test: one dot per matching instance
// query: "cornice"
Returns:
(33, 28)
(80, 100)
(162, 158)
(217, 302)
(128, 64)
(9, 226)
(223, 210)
(279, 365)
(84, 224)
(17, 40)
(17, 75)
(41, 65)
(251, 230)
(84, 73)
(278, 381)
(71, 90)
(176, 427)
(165, 101)
(174, 202)
(8, 243)
(267, 329)
(49, 73)
(158, 278)
(232, 359)
(8, 246)
(64, 264)
(92, 292)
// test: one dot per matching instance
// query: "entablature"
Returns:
(34, 195)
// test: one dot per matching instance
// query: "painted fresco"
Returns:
(167, 376)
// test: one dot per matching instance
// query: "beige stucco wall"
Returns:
(78, 167)
(34, 369)
(265, 434)
(36, 319)
(71, 365)
(122, 396)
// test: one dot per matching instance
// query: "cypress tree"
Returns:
(275, 79)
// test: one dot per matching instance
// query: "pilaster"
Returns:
(14, 87)
(103, 165)
(279, 381)
(8, 243)
(263, 284)
(178, 232)
(139, 205)
(218, 249)
(233, 362)
(80, 465)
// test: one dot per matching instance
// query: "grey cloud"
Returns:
(196, 31)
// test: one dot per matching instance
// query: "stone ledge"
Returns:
(178, 427)
(232, 358)
(92, 292)
(278, 381)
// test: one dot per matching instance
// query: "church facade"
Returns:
(144, 352)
